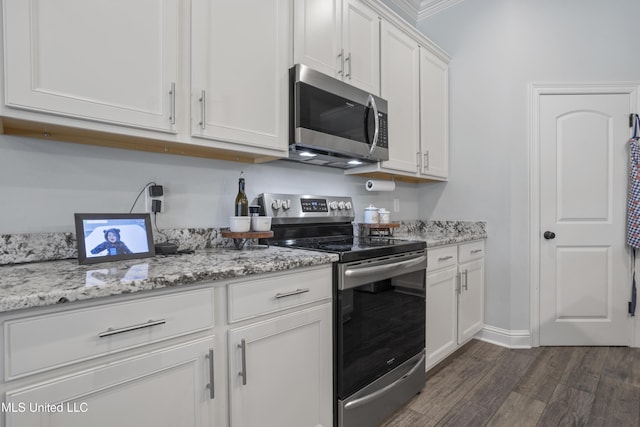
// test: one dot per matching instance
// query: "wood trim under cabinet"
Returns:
(31, 129)
(389, 176)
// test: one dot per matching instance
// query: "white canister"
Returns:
(371, 215)
(384, 216)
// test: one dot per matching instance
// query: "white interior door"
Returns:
(584, 264)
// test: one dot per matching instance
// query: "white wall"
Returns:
(43, 183)
(499, 47)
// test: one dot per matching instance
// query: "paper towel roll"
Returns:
(377, 185)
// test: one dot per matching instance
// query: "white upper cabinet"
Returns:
(401, 89)
(240, 63)
(434, 116)
(414, 81)
(361, 44)
(113, 62)
(317, 40)
(340, 38)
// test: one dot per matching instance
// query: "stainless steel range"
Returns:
(379, 304)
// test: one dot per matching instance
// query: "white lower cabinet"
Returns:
(166, 387)
(470, 299)
(280, 350)
(173, 357)
(455, 298)
(280, 371)
(442, 309)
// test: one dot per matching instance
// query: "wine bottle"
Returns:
(242, 204)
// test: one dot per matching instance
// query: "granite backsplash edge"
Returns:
(37, 247)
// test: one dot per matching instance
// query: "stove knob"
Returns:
(340, 205)
(286, 204)
(347, 205)
(276, 204)
(333, 205)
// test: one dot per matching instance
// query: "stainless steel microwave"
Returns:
(334, 124)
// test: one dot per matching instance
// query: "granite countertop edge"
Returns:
(44, 284)
(433, 242)
(442, 233)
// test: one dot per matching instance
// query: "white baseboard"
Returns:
(505, 337)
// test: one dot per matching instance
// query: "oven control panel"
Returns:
(302, 208)
(314, 205)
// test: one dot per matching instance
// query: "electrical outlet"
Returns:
(163, 207)
(396, 205)
(149, 198)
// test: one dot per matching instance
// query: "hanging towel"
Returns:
(633, 205)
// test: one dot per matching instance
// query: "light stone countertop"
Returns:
(47, 283)
(440, 233)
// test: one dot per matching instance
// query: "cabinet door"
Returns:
(163, 388)
(401, 88)
(240, 72)
(442, 314)
(361, 44)
(471, 299)
(280, 371)
(317, 35)
(434, 116)
(109, 61)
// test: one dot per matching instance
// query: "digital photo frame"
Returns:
(106, 237)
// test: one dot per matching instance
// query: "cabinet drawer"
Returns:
(45, 342)
(469, 251)
(254, 298)
(441, 257)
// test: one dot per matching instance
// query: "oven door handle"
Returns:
(367, 271)
(369, 397)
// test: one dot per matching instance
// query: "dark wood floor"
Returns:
(484, 384)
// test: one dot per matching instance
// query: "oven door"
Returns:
(380, 326)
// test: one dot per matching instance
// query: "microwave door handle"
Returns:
(376, 122)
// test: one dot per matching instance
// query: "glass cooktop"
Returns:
(357, 248)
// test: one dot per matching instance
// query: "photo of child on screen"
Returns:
(112, 243)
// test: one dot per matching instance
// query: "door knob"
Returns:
(549, 235)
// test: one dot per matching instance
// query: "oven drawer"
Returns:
(254, 298)
(40, 343)
(441, 257)
(471, 251)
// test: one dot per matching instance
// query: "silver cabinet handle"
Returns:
(418, 163)
(341, 56)
(475, 251)
(466, 280)
(111, 331)
(211, 385)
(376, 122)
(172, 92)
(243, 373)
(348, 58)
(426, 160)
(288, 294)
(444, 258)
(203, 109)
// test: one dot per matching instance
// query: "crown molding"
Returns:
(421, 9)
